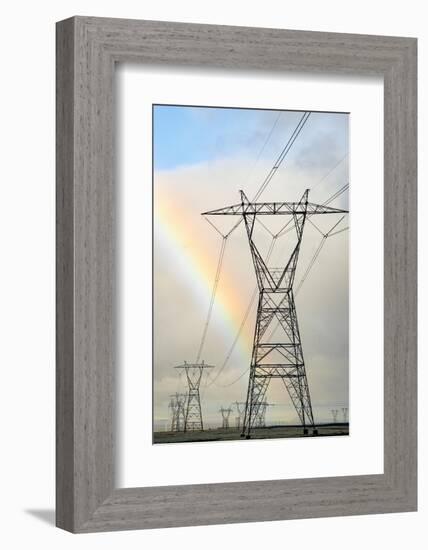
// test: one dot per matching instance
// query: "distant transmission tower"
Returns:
(334, 413)
(284, 358)
(193, 411)
(225, 413)
(240, 409)
(260, 421)
(177, 406)
(345, 414)
(172, 406)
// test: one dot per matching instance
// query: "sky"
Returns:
(202, 158)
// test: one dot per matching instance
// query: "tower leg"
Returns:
(297, 388)
(193, 419)
(257, 387)
(281, 359)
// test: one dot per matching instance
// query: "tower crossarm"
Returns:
(278, 208)
(194, 366)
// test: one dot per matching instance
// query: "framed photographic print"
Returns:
(216, 144)
(236, 274)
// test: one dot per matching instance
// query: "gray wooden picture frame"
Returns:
(87, 50)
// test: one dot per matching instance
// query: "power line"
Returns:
(309, 267)
(316, 227)
(262, 188)
(282, 232)
(264, 145)
(283, 154)
(214, 291)
(241, 326)
(328, 234)
(330, 172)
(265, 227)
(314, 258)
(222, 250)
(215, 227)
(235, 380)
(317, 253)
(279, 160)
(337, 194)
(340, 231)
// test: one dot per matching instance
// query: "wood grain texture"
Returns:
(64, 277)
(87, 49)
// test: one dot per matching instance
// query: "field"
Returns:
(269, 432)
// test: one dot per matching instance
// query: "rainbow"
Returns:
(196, 266)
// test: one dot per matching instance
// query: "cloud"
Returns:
(186, 252)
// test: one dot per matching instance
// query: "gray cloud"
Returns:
(181, 303)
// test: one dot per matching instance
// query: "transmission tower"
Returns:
(284, 358)
(177, 406)
(172, 406)
(260, 420)
(225, 413)
(334, 413)
(193, 411)
(345, 414)
(240, 409)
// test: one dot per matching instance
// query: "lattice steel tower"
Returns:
(260, 420)
(240, 410)
(225, 413)
(177, 405)
(283, 358)
(193, 411)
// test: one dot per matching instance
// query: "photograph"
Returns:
(210, 275)
(250, 273)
